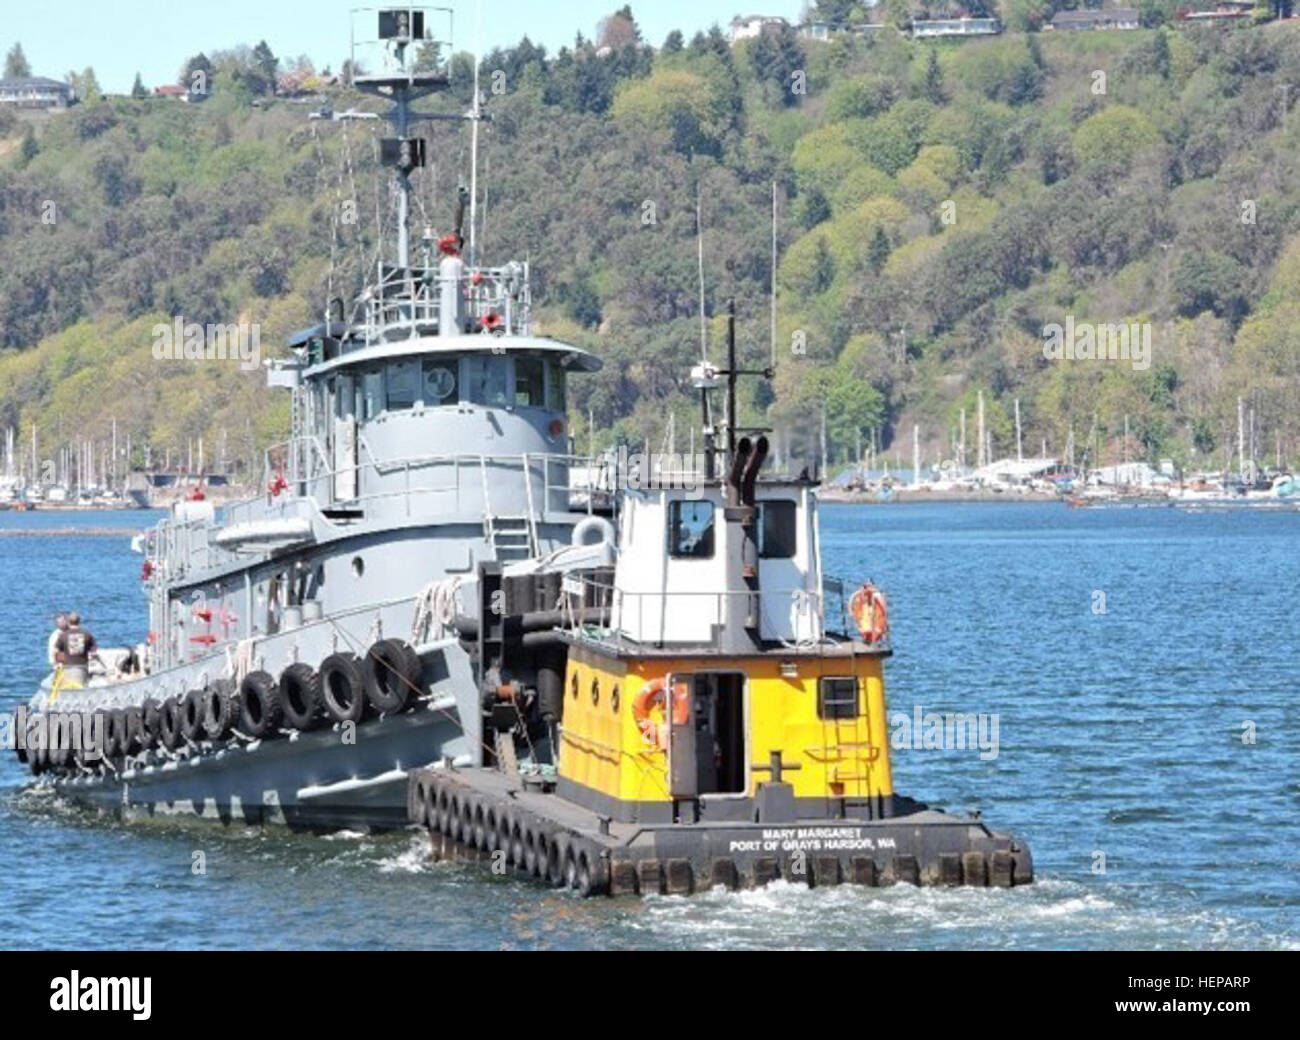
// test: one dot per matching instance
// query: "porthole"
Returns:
(595, 692)
(358, 566)
(573, 685)
(613, 699)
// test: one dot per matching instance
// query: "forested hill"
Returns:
(939, 204)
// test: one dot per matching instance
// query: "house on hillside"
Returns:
(747, 27)
(1113, 18)
(172, 90)
(35, 92)
(1226, 12)
(823, 31)
(922, 29)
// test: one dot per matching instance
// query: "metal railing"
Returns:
(656, 618)
(407, 302)
(176, 548)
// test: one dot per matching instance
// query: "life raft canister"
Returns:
(870, 614)
(652, 697)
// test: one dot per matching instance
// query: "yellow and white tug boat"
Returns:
(709, 725)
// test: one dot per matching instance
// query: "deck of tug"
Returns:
(483, 814)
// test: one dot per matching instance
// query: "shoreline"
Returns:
(908, 497)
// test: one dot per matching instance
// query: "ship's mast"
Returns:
(475, 114)
(400, 82)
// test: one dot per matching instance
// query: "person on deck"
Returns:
(75, 647)
(60, 626)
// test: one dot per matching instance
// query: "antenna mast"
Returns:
(475, 116)
(399, 81)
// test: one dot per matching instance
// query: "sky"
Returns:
(154, 37)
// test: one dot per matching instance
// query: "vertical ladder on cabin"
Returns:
(847, 748)
(509, 536)
(298, 466)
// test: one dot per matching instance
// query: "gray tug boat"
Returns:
(621, 689)
(300, 656)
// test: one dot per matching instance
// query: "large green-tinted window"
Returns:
(373, 384)
(777, 533)
(403, 384)
(530, 382)
(485, 380)
(690, 529)
(555, 389)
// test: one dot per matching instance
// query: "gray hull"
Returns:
(312, 781)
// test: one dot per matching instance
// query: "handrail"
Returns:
(182, 549)
(629, 609)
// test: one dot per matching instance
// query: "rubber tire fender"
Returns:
(169, 723)
(134, 730)
(220, 710)
(192, 710)
(260, 710)
(343, 689)
(114, 733)
(392, 675)
(59, 753)
(88, 756)
(300, 696)
(151, 734)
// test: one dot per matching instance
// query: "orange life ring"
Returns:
(870, 613)
(652, 697)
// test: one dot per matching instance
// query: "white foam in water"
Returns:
(413, 860)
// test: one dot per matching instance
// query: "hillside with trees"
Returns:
(938, 204)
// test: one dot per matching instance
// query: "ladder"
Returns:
(509, 537)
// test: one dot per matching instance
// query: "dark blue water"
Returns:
(1119, 733)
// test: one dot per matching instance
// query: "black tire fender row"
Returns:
(469, 823)
(346, 688)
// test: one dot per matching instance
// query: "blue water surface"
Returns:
(1120, 743)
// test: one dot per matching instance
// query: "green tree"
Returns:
(85, 87)
(264, 68)
(1110, 140)
(934, 91)
(774, 59)
(16, 64)
(28, 149)
(879, 250)
(138, 89)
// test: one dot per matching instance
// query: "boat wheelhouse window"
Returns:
(529, 382)
(690, 529)
(486, 380)
(555, 389)
(439, 381)
(777, 533)
(837, 698)
(402, 380)
(373, 386)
